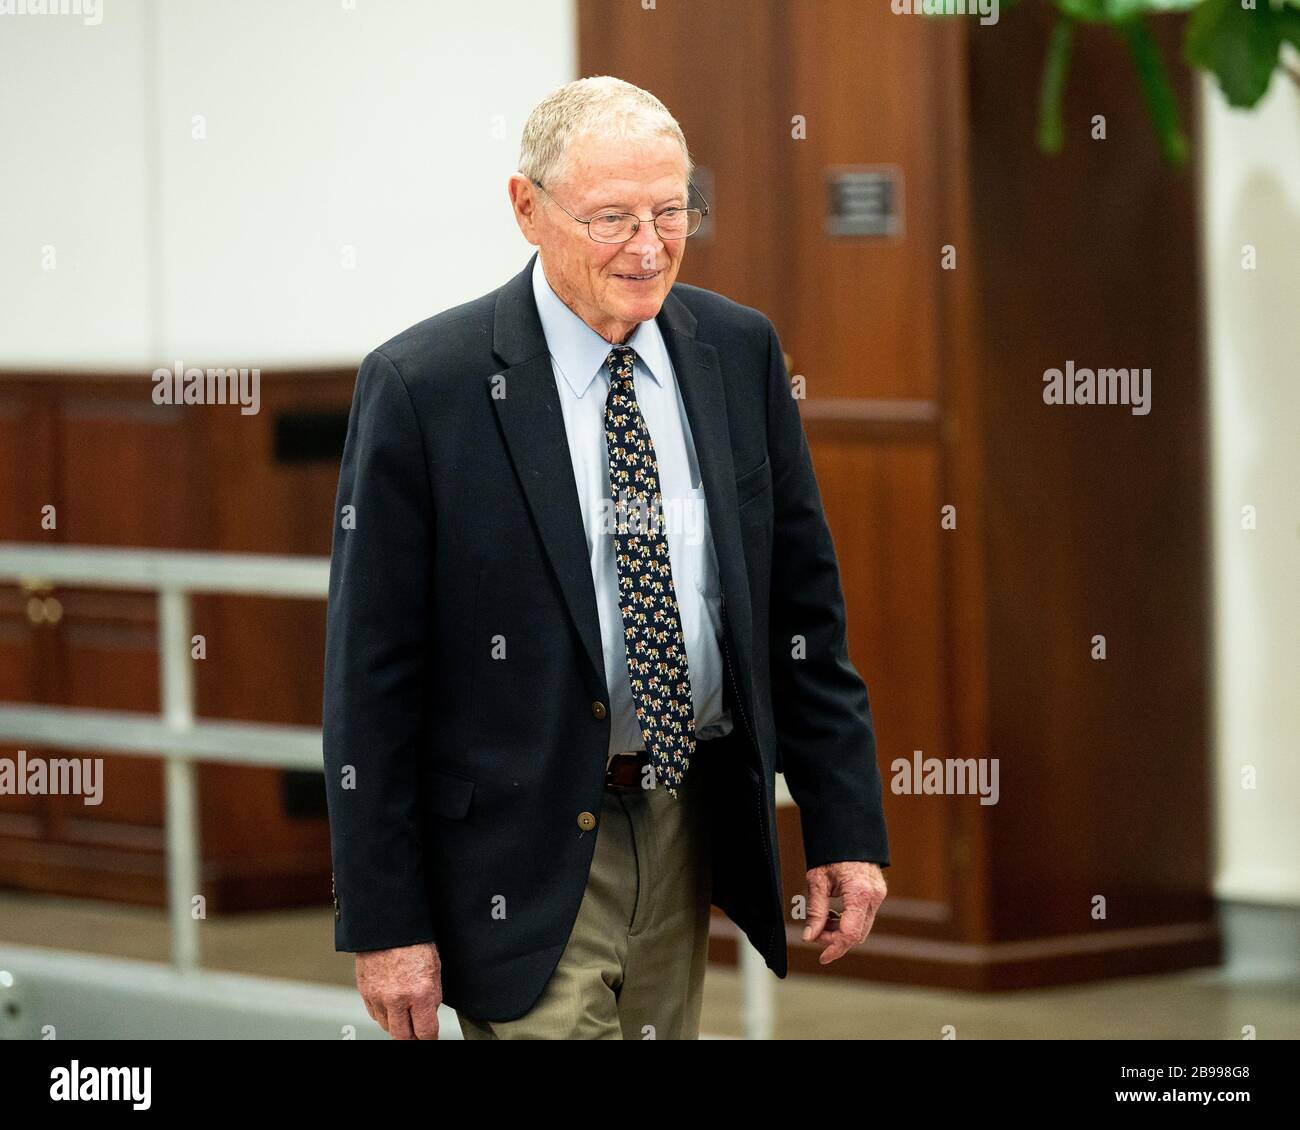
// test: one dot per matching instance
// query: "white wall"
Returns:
(1251, 182)
(74, 135)
(389, 127)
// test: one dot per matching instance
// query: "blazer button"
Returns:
(586, 821)
(598, 709)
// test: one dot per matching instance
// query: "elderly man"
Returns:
(583, 605)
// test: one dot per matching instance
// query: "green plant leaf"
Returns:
(1288, 25)
(1051, 122)
(1238, 45)
(1161, 102)
(1120, 11)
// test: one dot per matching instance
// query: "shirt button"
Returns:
(586, 821)
(598, 709)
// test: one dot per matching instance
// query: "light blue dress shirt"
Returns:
(582, 379)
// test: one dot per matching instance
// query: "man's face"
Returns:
(595, 280)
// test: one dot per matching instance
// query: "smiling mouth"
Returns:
(640, 278)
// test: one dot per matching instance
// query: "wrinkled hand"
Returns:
(862, 886)
(402, 989)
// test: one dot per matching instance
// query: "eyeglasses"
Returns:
(619, 227)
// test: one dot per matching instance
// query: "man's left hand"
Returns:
(862, 886)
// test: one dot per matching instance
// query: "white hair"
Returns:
(602, 106)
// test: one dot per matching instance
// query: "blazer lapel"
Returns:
(528, 407)
(699, 375)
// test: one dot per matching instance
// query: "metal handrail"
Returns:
(152, 570)
(177, 737)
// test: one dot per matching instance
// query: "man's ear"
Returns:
(526, 204)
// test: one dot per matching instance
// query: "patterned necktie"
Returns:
(652, 629)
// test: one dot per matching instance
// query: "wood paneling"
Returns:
(122, 470)
(1096, 516)
(27, 659)
(924, 390)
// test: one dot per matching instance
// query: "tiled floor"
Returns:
(299, 945)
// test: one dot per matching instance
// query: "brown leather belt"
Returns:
(624, 770)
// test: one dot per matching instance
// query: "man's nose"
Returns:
(646, 241)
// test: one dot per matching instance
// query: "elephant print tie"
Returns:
(652, 627)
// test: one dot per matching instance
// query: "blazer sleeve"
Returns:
(825, 735)
(375, 651)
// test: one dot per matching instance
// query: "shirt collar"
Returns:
(580, 351)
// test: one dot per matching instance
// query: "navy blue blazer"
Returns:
(456, 782)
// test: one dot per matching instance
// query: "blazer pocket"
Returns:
(449, 794)
(752, 483)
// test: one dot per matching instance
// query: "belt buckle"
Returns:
(621, 764)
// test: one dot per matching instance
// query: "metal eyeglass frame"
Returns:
(636, 220)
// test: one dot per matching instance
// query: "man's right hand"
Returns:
(402, 989)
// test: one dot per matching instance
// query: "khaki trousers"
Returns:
(633, 968)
